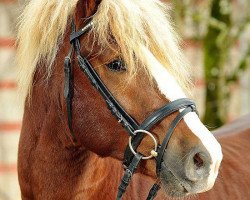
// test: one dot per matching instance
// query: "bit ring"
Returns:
(153, 151)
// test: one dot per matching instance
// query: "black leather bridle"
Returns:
(136, 131)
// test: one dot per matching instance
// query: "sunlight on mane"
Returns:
(132, 23)
(41, 28)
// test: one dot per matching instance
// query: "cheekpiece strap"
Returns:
(169, 133)
(153, 191)
(128, 175)
(68, 89)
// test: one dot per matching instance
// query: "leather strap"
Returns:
(170, 131)
(152, 120)
(121, 115)
(68, 90)
(153, 191)
(128, 175)
(165, 111)
(78, 34)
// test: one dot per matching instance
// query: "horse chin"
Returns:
(174, 187)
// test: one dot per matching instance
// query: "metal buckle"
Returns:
(153, 151)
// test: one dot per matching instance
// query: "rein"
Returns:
(136, 131)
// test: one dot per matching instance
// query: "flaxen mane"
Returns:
(135, 24)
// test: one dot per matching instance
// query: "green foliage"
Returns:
(218, 31)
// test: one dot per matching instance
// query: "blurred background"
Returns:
(216, 40)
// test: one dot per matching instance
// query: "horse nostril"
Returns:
(198, 161)
(198, 165)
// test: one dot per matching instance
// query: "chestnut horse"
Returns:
(68, 149)
(234, 179)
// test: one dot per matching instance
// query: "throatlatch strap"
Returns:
(128, 175)
(68, 90)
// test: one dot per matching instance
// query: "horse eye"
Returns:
(117, 65)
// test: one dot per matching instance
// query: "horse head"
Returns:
(133, 49)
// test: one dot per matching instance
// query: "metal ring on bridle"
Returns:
(153, 152)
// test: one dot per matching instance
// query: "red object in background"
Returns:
(6, 168)
(8, 85)
(7, 42)
(10, 126)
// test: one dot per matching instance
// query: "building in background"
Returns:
(11, 112)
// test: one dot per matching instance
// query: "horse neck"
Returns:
(102, 177)
(44, 104)
(100, 172)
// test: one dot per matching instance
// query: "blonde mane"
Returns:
(134, 24)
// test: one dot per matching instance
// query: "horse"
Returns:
(234, 177)
(78, 61)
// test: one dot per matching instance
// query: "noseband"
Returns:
(135, 130)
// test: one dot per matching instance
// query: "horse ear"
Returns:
(97, 2)
(88, 7)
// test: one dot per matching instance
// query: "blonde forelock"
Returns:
(137, 24)
(131, 24)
